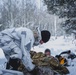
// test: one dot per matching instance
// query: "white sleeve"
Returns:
(15, 51)
(27, 61)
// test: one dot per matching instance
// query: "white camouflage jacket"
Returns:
(16, 43)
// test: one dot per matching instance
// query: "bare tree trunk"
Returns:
(55, 26)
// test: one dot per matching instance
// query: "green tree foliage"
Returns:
(64, 8)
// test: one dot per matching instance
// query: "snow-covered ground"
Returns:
(57, 46)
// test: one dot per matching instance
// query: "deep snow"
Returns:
(56, 46)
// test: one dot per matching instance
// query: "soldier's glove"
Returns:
(35, 71)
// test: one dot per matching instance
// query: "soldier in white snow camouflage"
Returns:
(17, 42)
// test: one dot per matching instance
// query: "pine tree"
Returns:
(64, 8)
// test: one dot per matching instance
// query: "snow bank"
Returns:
(57, 46)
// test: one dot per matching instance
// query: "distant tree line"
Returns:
(64, 9)
(16, 13)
